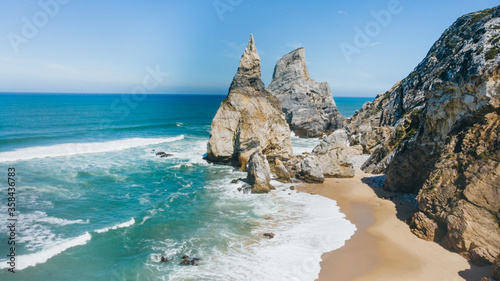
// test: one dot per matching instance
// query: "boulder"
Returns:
(281, 172)
(334, 155)
(336, 139)
(163, 154)
(269, 235)
(249, 119)
(259, 173)
(308, 105)
(425, 228)
(310, 170)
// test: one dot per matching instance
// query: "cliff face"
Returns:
(307, 104)
(436, 134)
(249, 119)
(459, 202)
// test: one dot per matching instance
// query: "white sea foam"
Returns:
(39, 216)
(25, 261)
(120, 225)
(53, 246)
(305, 227)
(301, 145)
(69, 149)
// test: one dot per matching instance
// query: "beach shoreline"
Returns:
(383, 247)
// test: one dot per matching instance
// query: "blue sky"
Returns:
(90, 46)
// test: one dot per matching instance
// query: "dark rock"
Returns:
(235, 180)
(163, 154)
(185, 262)
(269, 235)
(496, 268)
(246, 188)
(292, 187)
(163, 259)
(185, 257)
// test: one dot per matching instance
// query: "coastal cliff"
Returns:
(308, 105)
(435, 133)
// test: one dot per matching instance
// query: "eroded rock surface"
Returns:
(259, 173)
(308, 105)
(249, 119)
(436, 132)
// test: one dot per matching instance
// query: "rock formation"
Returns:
(436, 133)
(334, 154)
(307, 104)
(310, 170)
(259, 173)
(249, 119)
(281, 171)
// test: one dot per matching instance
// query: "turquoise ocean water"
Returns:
(94, 202)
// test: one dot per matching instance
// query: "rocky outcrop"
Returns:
(310, 170)
(334, 155)
(305, 168)
(249, 119)
(436, 134)
(259, 173)
(454, 160)
(461, 196)
(281, 171)
(308, 105)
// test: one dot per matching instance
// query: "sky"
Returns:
(360, 47)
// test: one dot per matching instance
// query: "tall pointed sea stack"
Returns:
(307, 104)
(249, 119)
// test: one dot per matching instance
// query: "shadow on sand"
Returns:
(405, 204)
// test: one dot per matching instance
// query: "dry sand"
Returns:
(383, 247)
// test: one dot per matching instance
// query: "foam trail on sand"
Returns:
(68, 149)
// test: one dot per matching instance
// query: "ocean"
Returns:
(93, 201)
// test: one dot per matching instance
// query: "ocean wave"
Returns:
(69, 149)
(41, 256)
(25, 261)
(120, 225)
(39, 217)
(305, 226)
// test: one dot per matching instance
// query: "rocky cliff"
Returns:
(435, 133)
(249, 119)
(308, 105)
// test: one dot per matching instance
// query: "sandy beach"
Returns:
(383, 247)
